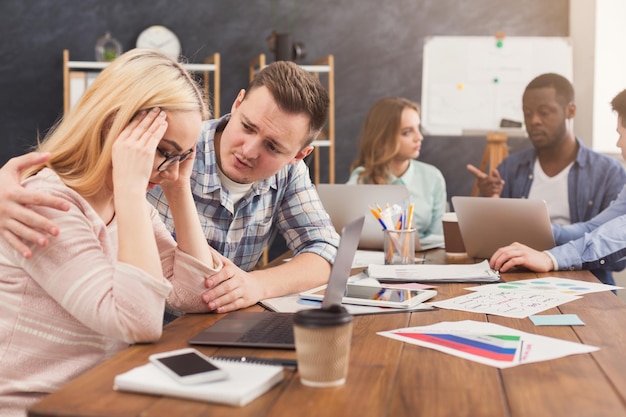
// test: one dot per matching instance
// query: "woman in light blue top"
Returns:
(390, 142)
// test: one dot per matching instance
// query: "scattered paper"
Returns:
(557, 320)
(508, 303)
(551, 285)
(488, 343)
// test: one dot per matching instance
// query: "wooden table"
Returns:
(391, 378)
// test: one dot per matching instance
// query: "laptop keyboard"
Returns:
(271, 329)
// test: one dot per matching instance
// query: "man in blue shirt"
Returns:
(598, 244)
(248, 180)
(576, 182)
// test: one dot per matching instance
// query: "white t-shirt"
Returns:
(554, 191)
(237, 191)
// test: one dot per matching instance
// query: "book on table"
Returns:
(246, 381)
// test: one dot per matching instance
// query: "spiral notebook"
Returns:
(246, 381)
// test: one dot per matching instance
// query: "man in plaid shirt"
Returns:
(249, 181)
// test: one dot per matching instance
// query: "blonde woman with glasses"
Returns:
(104, 281)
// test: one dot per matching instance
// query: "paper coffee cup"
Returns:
(452, 238)
(323, 338)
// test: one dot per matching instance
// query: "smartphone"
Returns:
(188, 366)
(382, 296)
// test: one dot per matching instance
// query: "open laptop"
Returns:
(487, 224)
(275, 330)
(346, 202)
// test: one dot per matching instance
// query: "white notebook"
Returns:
(480, 272)
(246, 381)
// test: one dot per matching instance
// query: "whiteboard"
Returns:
(471, 83)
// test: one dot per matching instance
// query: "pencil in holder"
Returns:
(399, 246)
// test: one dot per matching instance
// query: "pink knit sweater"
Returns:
(72, 304)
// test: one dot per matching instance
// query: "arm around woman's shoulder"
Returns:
(20, 225)
(80, 272)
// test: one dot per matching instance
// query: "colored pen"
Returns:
(375, 213)
(409, 220)
(399, 223)
(380, 220)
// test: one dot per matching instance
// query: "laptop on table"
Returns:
(487, 224)
(275, 330)
(346, 202)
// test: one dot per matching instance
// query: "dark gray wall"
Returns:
(377, 47)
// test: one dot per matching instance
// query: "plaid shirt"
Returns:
(286, 203)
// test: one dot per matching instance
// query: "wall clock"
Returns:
(161, 38)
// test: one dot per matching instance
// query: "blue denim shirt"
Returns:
(286, 203)
(594, 181)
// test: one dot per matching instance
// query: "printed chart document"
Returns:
(488, 343)
(522, 298)
(246, 381)
(549, 285)
(505, 302)
(480, 272)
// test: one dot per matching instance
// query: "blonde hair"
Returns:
(80, 144)
(379, 139)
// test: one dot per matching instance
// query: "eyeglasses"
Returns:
(170, 159)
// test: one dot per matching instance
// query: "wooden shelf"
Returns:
(495, 152)
(210, 69)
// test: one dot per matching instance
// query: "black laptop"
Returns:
(275, 330)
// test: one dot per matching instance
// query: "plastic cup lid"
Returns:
(322, 317)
